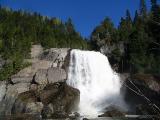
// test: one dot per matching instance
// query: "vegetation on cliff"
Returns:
(140, 37)
(134, 44)
(19, 30)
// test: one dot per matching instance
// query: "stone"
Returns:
(33, 87)
(30, 71)
(23, 100)
(63, 98)
(50, 55)
(22, 87)
(41, 77)
(11, 95)
(47, 111)
(34, 107)
(56, 55)
(59, 115)
(21, 79)
(113, 113)
(56, 75)
(8, 101)
(49, 93)
(2, 89)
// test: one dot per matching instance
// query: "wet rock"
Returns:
(113, 113)
(74, 116)
(142, 89)
(59, 115)
(146, 110)
(56, 75)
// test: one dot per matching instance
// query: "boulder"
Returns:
(31, 70)
(56, 75)
(21, 79)
(60, 97)
(34, 107)
(24, 102)
(47, 111)
(56, 55)
(41, 77)
(11, 95)
(21, 87)
(113, 111)
(8, 101)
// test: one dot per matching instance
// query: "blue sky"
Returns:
(86, 14)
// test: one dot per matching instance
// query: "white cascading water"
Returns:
(99, 85)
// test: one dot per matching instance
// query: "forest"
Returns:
(140, 36)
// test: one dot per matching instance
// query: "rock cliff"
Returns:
(40, 88)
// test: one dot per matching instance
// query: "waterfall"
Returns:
(99, 85)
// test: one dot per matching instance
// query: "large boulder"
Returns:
(59, 98)
(25, 101)
(21, 79)
(10, 97)
(41, 77)
(113, 111)
(57, 56)
(56, 75)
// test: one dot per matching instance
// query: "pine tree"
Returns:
(143, 8)
(128, 16)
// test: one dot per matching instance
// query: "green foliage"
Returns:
(19, 30)
(140, 37)
(105, 33)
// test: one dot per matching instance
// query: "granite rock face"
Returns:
(40, 88)
(57, 56)
(56, 75)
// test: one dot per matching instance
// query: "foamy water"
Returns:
(99, 85)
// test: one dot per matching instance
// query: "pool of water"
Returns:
(38, 117)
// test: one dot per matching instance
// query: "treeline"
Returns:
(19, 30)
(140, 37)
